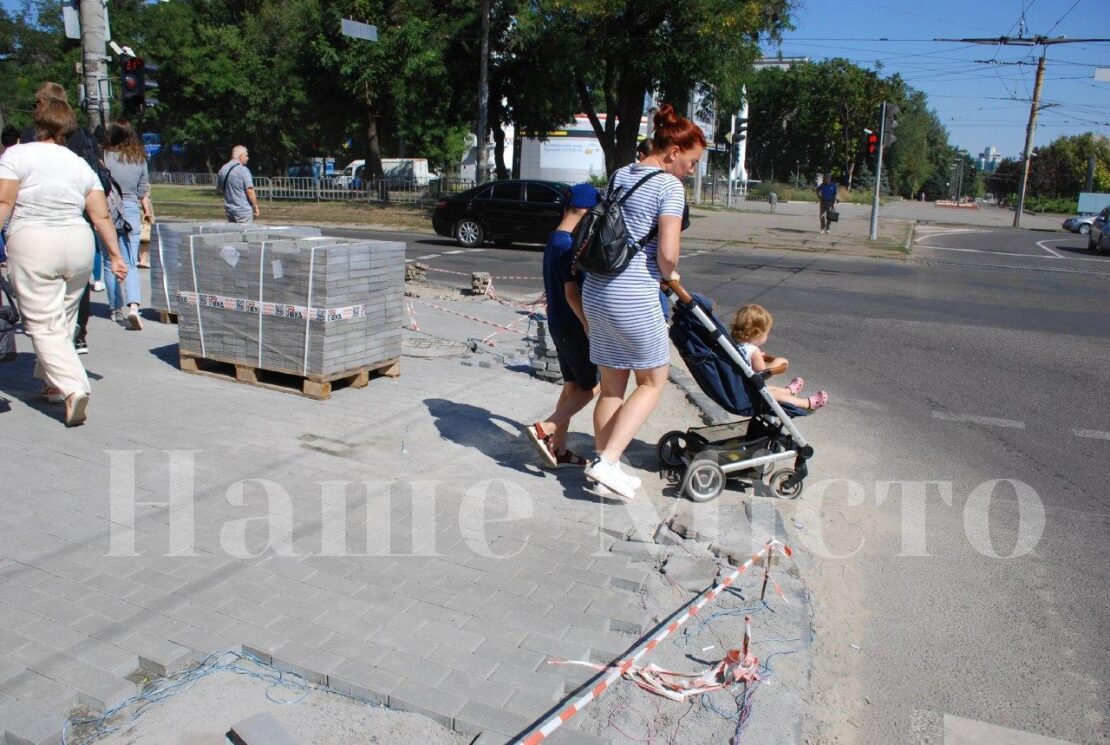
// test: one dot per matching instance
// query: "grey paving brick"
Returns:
(250, 612)
(500, 631)
(584, 576)
(30, 685)
(411, 640)
(29, 723)
(435, 702)
(540, 683)
(51, 633)
(347, 624)
(531, 623)
(554, 648)
(301, 609)
(529, 705)
(362, 681)
(408, 666)
(105, 656)
(508, 584)
(156, 654)
(426, 611)
(478, 689)
(548, 583)
(311, 663)
(260, 729)
(450, 635)
(356, 648)
(503, 652)
(582, 620)
(472, 664)
(297, 630)
(476, 718)
(98, 689)
(610, 641)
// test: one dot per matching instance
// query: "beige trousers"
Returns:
(49, 270)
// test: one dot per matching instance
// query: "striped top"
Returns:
(627, 327)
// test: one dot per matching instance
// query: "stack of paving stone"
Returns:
(167, 240)
(313, 307)
(543, 356)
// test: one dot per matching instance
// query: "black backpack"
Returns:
(601, 241)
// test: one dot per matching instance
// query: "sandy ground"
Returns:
(201, 715)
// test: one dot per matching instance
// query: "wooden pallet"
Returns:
(317, 387)
(166, 317)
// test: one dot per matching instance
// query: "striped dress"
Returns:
(627, 328)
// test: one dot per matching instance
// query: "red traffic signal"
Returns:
(872, 144)
(133, 64)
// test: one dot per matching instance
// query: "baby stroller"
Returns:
(765, 442)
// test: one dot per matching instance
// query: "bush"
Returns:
(1057, 205)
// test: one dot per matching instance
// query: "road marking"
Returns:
(427, 256)
(475, 250)
(988, 421)
(1093, 434)
(449, 253)
(1023, 256)
(960, 731)
(1051, 251)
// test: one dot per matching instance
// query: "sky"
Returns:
(981, 92)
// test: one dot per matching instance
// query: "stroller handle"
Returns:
(673, 287)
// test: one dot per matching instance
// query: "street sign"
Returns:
(358, 30)
(71, 19)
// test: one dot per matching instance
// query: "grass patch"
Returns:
(203, 203)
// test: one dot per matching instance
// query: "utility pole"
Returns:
(1023, 41)
(93, 32)
(1030, 129)
(481, 170)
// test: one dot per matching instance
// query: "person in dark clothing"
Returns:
(83, 143)
(827, 193)
(567, 323)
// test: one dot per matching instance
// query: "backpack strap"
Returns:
(221, 184)
(654, 228)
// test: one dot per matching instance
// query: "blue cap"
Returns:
(584, 196)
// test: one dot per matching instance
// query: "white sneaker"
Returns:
(98, 286)
(633, 481)
(610, 476)
(134, 320)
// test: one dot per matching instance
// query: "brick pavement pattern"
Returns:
(391, 577)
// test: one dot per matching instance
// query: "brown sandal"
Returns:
(569, 458)
(542, 442)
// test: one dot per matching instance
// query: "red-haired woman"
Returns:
(628, 333)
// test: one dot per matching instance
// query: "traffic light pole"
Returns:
(93, 31)
(874, 234)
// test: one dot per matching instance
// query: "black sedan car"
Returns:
(504, 212)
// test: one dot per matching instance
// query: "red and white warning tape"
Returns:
(542, 730)
(502, 327)
(492, 276)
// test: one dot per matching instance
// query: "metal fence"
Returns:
(308, 189)
(714, 193)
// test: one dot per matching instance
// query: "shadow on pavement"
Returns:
(477, 428)
(169, 353)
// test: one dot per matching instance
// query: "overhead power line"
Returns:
(1043, 41)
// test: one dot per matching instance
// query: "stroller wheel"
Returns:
(704, 480)
(785, 484)
(672, 446)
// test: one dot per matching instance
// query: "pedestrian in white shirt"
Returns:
(46, 189)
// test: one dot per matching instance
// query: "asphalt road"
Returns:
(983, 357)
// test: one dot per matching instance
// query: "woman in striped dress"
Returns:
(627, 331)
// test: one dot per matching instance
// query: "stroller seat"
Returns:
(764, 441)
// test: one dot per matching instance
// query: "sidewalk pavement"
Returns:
(398, 541)
(794, 226)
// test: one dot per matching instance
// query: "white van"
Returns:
(350, 171)
(398, 170)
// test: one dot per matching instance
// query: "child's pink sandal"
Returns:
(795, 386)
(817, 400)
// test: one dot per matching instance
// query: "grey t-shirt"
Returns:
(133, 178)
(236, 179)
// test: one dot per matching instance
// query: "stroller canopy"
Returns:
(714, 370)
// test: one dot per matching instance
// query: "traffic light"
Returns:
(872, 146)
(741, 129)
(890, 124)
(134, 89)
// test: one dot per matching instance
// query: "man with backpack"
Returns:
(567, 323)
(235, 183)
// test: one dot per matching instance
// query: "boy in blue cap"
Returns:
(567, 323)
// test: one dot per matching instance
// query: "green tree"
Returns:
(613, 53)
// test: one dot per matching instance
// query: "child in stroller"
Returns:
(750, 328)
(765, 442)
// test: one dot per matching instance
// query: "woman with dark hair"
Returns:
(125, 158)
(47, 189)
(628, 333)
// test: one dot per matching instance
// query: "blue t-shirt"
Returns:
(827, 192)
(558, 269)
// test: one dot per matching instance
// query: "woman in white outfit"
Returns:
(47, 190)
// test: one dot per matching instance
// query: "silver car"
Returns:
(1079, 224)
(1098, 240)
